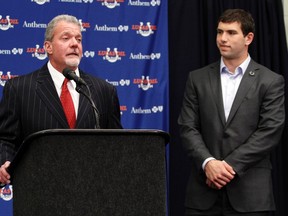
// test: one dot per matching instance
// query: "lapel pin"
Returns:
(252, 73)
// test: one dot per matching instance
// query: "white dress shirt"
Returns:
(58, 79)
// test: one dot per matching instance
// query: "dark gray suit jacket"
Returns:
(30, 103)
(254, 127)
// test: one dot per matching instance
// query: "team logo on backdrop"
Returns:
(140, 56)
(37, 52)
(140, 110)
(144, 30)
(142, 3)
(4, 77)
(123, 108)
(6, 193)
(84, 25)
(14, 51)
(7, 23)
(122, 82)
(111, 4)
(105, 28)
(145, 83)
(111, 56)
(40, 2)
(77, 1)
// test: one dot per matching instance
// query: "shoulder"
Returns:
(28, 78)
(262, 70)
(264, 74)
(206, 70)
(95, 81)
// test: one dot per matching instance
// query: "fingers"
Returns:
(219, 173)
(212, 185)
(4, 175)
(229, 168)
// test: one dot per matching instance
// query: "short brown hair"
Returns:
(241, 16)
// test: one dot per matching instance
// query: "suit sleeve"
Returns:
(9, 123)
(189, 123)
(115, 118)
(268, 132)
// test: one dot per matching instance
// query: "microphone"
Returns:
(71, 75)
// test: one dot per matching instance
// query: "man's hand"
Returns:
(218, 174)
(4, 175)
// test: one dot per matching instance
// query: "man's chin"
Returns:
(73, 63)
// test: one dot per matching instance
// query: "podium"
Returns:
(91, 172)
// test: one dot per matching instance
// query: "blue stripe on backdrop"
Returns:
(125, 42)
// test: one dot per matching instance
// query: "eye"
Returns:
(219, 31)
(232, 32)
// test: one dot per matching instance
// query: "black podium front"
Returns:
(91, 172)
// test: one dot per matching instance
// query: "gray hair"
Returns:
(49, 33)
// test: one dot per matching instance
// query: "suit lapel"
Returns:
(248, 79)
(215, 83)
(46, 91)
(84, 105)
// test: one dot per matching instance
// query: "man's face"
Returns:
(65, 49)
(231, 42)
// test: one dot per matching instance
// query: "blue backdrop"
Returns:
(125, 42)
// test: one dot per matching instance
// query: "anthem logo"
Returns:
(40, 2)
(7, 23)
(145, 83)
(144, 30)
(142, 3)
(105, 28)
(89, 54)
(14, 51)
(6, 193)
(122, 82)
(140, 110)
(34, 24)
(37, 52)
(111, 56)
(4, 78)
(140, 56)
(111, 4)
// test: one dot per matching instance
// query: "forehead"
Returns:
(67, 27)
(236, 26)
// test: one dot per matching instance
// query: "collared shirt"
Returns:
(230, 83)
(58, 80)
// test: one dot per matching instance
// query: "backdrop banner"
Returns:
(125, 42)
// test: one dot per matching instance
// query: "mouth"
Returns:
(73, 54)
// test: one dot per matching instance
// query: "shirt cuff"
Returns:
(206, 161)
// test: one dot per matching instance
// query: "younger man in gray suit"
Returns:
(231, 119)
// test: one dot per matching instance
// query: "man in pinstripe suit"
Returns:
(31, 103)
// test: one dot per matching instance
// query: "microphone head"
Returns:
(71, 75)
(67, 73)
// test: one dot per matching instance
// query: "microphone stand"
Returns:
(88, 96)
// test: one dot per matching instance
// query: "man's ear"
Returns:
(249, 38)
(48, 47)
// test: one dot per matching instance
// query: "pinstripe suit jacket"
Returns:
(30, 103)
(253, 128)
